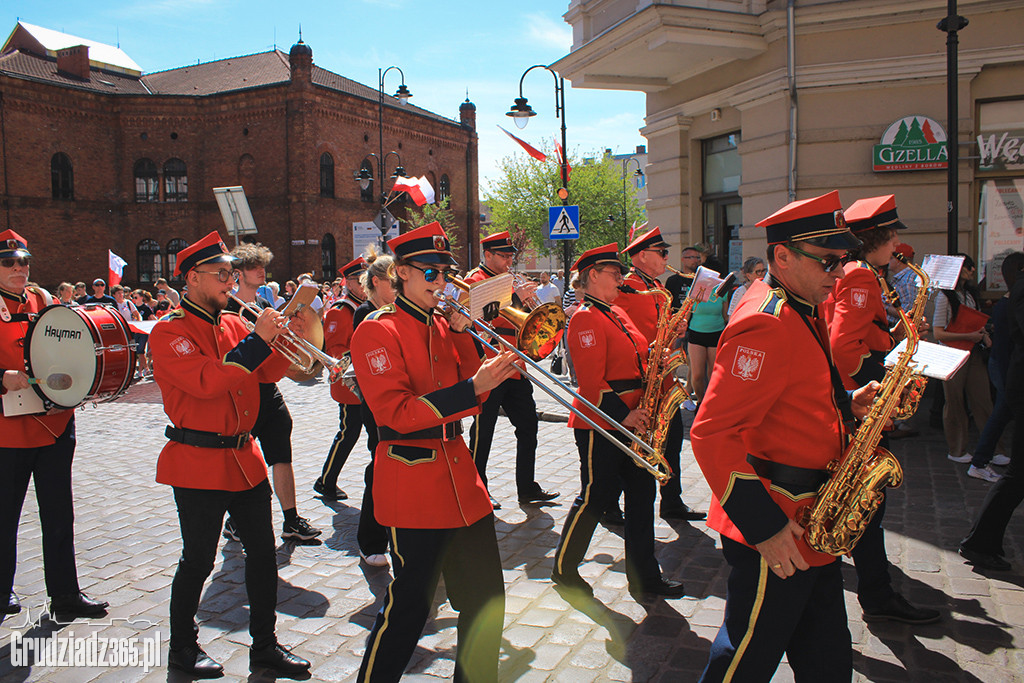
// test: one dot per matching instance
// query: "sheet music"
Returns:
(705, 282)
(932, 360)
(943, 271)
(490, 290)
(22, 402)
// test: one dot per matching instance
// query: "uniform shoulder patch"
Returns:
(773, 301)
(383, 310)
(183, 346)
(747, 363)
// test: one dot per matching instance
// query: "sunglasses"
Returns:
(221, 275)
(663, 253)
(430, 274)
(11, 262)
(828, 263)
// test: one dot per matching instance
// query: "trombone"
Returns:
(659, 473)
(300, 352)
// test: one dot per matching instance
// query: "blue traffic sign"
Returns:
(564, 222)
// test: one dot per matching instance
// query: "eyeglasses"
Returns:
(828, 263)
(760, 271)
(430, 274)
(615, 272)
(663, 253)
(222, 275)
(10, 262)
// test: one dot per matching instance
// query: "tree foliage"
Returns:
(441, 212)
(525, 188)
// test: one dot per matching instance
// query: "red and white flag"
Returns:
(419, 189)
(560, 153)
(115, 264)
(530, 149)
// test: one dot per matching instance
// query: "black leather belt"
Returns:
(622, 385)
(788, 475)
(449, 431)
(195, 437)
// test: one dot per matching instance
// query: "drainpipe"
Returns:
(791, 76)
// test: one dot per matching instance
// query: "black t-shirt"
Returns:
(145, 312)
(105, 299)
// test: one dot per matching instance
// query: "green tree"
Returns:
(438, 211)
(525, 188)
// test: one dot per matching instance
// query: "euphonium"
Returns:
(855, 489)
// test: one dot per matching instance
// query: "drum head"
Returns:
(60, 341)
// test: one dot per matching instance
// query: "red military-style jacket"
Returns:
(338, 339)
(770, 396)
(25, 431)
(643, 309)
(506, 329)
(416, 374)
(611, 355)
(209, 370)
(858, 326)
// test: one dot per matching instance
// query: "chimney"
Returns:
(74, 62)
(641, 149)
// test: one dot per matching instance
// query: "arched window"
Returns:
(147, 185)
(175, 181)
(444, 188)
(326, 175)
(173, 247)
(328, 258)
(367, 194)
(148, 257)
(62, 176)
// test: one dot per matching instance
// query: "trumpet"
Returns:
(300, 352)
(625, 431)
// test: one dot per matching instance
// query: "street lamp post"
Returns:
(638, 173)
(521, 113)
(364, 177)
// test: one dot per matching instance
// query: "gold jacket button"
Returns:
(456, 460)
(239, 392)
(245, 412)
(438, 384)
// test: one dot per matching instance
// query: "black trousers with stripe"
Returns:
(350, 420)
(803, 617)
(604, 472)
(515, 396)
(372, 536)
(468, 558)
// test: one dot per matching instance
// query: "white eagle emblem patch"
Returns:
(331, 327)
(587, 339)
(859, 297)
(747, 365)
(183, 347)
(378, 361)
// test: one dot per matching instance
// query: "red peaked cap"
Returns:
(609, 253)
(13, 245)
(905, 249)
(648, 240)
(353, 268)
(873, 212)
(499, 242)
(210, 249)
(818, 221)
(427, 244)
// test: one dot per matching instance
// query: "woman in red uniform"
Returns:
(604, 340)
(420, 376)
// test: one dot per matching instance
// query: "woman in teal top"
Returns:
(706, 325)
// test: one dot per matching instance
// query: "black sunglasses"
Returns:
(663, 253)
(828, 263)
(431, 273)
(10, 262)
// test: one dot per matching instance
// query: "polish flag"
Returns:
(418, 188)
(115, 264)
(560, 153)
(636, 229)
(530, 149)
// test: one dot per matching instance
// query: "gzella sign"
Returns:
(913, 143)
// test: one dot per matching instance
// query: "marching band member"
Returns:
(38, 447)
(605, 341)
(337, 337)
(771, 421)
(860, 339)
(209, 368)
(648, 254)
(515, 395)
(419, 377)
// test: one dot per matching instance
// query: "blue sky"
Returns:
(444, 48)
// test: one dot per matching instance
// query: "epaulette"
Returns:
(864, 264)
(171, 315)
(386, 308)
(773, 302)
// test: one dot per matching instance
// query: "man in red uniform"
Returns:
(771, 422)
(860, 339)
(209, 368)
(420, 376)
(337, 338)
(515, 395)
(605, 341)
(648, 254)
(38, 447)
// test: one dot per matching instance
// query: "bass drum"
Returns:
(91, 344)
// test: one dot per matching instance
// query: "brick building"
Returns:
(94, 155)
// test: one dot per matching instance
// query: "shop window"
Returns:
(720, 199)
(175, 181)
(328, 258)
(147, 184)
(148, 257)
(1000, 182)
(173, 247)
(444, 188)
(326, 175)
(62, 177)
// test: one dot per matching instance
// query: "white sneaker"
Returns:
(985, 473)
(966, 457)
(1001, 460)
(375, 560)
(690, 405)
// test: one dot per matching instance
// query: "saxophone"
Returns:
(914, 389)
(855, 489)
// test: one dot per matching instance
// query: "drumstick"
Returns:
(58, 381)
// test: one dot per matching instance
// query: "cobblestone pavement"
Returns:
(128, 544)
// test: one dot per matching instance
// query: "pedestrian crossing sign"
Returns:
(564, 222)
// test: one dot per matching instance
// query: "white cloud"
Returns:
(550, 32)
